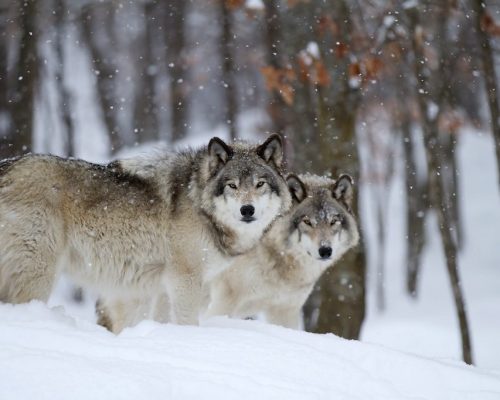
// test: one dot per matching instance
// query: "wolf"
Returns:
(277, 277)
(161, 225)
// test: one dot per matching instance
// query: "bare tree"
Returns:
(4, 81)
(94, 19)
(60, 9)
(417, 206)
(175, 39)
(435, 167)
(25, 85)
(490, 79)
(227, 54)
(322, 126)
(276, 106)
(145, 109)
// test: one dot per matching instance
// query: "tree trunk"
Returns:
(104, 70)
(64, 94)
(322, 128)
(276, 106)
(342, 290)
(490, 78)
(4, 87)
(226, 49)
(437, 186)
(448, 241)
(175, 38)
(23, 98)
(145, 111)
(417, 205)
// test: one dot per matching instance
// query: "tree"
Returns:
(425, 90)
(63, 91)
(146, 126)
(483, 21)
(23, 95)
(227, 55)
(4, 81)
(175, 39)
(97, 32)
(322, 127)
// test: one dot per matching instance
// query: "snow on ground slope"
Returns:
(45, 354)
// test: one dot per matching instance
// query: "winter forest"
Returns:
(402, 95)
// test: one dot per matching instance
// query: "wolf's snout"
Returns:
(247, 211)
(325, 252)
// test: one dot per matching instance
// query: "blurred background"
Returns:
(402, 95)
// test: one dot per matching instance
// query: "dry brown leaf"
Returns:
(293, 3)
(327, 25)
(341, 50)
(372, 66)
(354, 70)
(489, 25)
(322, 75)
(234, 4)
(280, 81)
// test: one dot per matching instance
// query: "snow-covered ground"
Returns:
(44, 354)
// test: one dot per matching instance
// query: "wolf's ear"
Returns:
(343, 190)
(272, 150)
(296, 187)
(219, 152)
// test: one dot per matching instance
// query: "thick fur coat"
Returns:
(136, 226)
(277, 277)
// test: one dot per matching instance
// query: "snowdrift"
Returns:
(45, 354)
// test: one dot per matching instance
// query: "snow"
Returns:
(255, 5)
(46, 354)
(313, 50)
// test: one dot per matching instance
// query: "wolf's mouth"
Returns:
(320, 258)
(248, 219)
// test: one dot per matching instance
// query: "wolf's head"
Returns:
(322, 227)
(245, 190)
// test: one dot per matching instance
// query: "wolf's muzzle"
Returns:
(247, 211)
(325, 252)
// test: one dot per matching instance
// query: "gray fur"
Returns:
(130, 227)
(277, 276)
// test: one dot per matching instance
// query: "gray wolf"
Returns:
(277, 277)
(161, 225)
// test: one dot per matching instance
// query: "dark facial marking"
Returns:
(219, 187)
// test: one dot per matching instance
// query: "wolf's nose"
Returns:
(325, 252)
(247, 210)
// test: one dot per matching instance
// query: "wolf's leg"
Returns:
(104, 314)
(161, 308)
(28, 259)
(286, 316)
(186, 299)
(120, 313)
(222, 301)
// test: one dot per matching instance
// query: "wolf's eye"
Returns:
(231, 185)
(335, 222)
(260, 184)
(307, 221)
